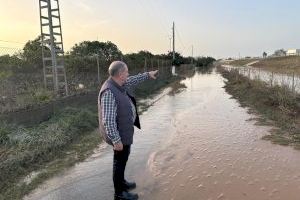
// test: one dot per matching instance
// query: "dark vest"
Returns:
(124, 121)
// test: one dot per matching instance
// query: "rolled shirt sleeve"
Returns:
(136, 79)
(109, 114)
(133, 81)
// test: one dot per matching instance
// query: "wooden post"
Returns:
(249, 73)
(293, 85)
(272, 76)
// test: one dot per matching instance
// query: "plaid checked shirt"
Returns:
(109, 107)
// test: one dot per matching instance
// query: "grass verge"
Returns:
(242, 62)
(284, 65)
(25, 150)
(276, 105)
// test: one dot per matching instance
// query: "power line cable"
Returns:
(160, 13)
(180, 40)
(162, 19)
(149, 12)
(7, 41)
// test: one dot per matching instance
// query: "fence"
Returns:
(22, 83)
(289, 80)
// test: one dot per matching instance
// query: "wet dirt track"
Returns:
(194, 145)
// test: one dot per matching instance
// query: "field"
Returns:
(283, 65)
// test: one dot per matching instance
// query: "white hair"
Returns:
(116, 67)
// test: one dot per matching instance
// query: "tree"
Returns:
(108, 50)
(82, 57)
(138, 57)
(178, 58)
(280, 52)
(145, 54)
(264, 54)
(10, 63)
(27, 60)
(111, 51)
(204, 61)
(32, 53)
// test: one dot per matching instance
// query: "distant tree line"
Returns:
(204, 61)
(82, 57)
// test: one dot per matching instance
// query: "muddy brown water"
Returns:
(195, 145)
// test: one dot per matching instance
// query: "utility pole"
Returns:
(52, 47)
(173, 70)
(170, 42)
(173, 41)
(192, 54)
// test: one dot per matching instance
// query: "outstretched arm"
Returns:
(136, 79)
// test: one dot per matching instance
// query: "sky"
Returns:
(217, 28)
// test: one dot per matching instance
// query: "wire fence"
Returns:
(22, 81)
(290, 81)
(9, 50)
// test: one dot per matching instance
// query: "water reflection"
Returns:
(204, 70)
(215, 151)
(174, 71)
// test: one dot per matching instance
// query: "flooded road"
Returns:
(194, 145)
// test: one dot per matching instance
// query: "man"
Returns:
(117, 118)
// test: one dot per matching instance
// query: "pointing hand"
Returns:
(153, 74)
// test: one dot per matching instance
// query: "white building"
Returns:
(293, 52)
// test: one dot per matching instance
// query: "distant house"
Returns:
(293, 52)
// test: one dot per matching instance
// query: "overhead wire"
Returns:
(180, 40)
(7, 41)
(162, 23)
(150, 11)
(11, 49)
(162, 20)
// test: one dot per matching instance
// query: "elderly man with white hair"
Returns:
(117, 118)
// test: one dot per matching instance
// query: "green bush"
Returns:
(5, 74)
(43, 95)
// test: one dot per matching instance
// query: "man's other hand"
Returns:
(153, 74)
(118, 146)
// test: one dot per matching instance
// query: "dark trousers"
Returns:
(120, 160)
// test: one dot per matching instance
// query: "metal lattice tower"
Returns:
(52, 47)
